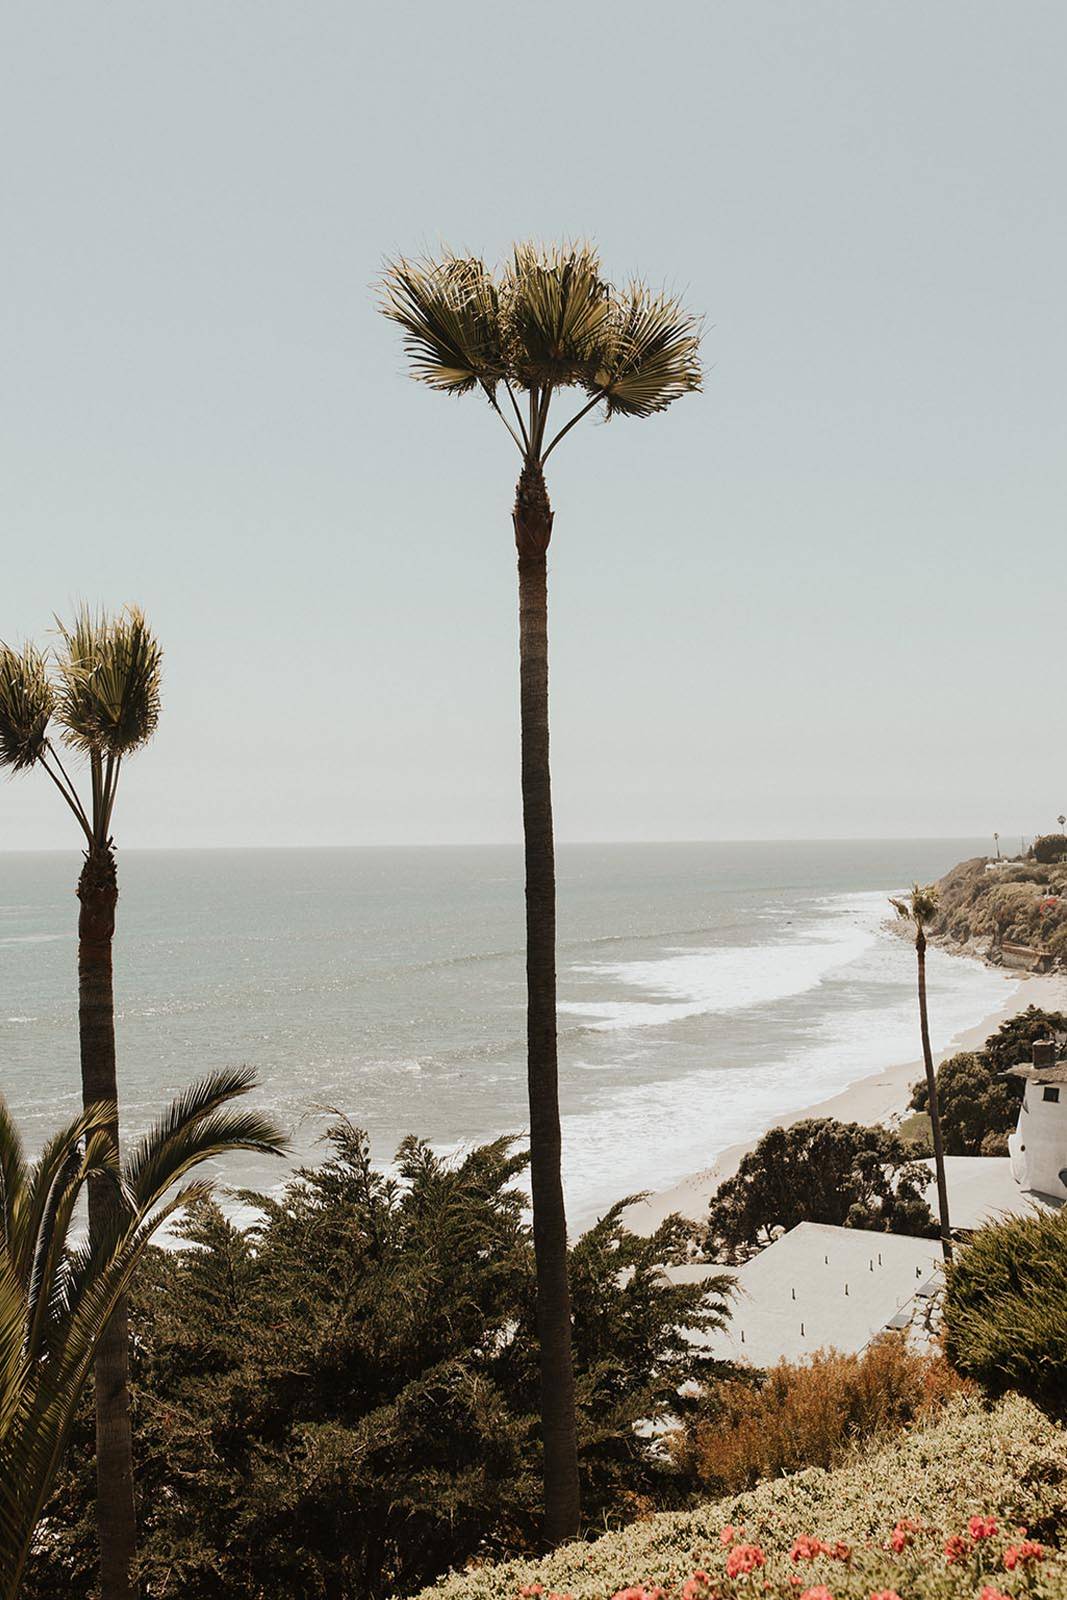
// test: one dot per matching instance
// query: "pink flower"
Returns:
(982, 1527)
(744, 1558)
(884, 1594)
(989, 1593)
(900, 1537)
(805, 1548)
(728, 1534)
(820, 1592)
(696, 1586)
(957, 1548)
(1029, 1550)
(529, 1590)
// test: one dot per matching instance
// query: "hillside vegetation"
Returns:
(836, 1529)
(985, 906)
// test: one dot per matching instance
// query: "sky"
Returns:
(824, 598)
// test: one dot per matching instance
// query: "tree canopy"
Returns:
(820, 1170)
(342, 1395)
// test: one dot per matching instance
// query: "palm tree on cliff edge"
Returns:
(920, 908)
(101, 688)
(547, 321)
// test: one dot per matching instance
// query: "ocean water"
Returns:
(704, 990)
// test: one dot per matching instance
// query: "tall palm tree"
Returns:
(57, 1298)
(101, 690)
(919, 908)
(547, 321)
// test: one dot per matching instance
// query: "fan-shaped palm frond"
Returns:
(449, 311)
(109, 690)
(55, 1300)
(26, 704)
(556, 314)
(652, 357)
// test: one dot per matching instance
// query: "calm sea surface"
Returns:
(705, 989)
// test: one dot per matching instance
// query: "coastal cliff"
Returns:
(1010, 912)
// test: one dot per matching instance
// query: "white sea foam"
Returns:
(698, 982)
(649, 1135)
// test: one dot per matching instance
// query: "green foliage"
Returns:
(548, 320)
(26, 702)
(1020, 902)
(978, 1105)
(108, 693)
(342, 1398)
(1049, 847)
(56, 1295)
(820, 1170)
(1009, 1463)
(1006, 1307)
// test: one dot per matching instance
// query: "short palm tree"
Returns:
(100, 692)
(547, 321)
(920, 908)
(57, 1297)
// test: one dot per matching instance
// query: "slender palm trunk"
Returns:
(533, 527)
(931, 1088)
(115, 1510)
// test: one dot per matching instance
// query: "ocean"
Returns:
(704, 990)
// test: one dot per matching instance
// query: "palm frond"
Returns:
(920, 906)
(197, 1126)
(653, 357)
(27, 701)
(449, 312)
(556, 313)
(108, 701)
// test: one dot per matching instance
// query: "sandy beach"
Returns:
(882, 1098)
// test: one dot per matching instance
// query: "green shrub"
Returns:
(809, 1413)
(1049, 847)
(1010, 1464)
(1006, 1307)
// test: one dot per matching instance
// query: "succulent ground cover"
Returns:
(971, 1508)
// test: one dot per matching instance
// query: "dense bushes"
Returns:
(809, 1414)
(1006, 1307)
(1019, 902)
(1049, 847)
(1009, 1464)
(342, 1399)
(820, 1170)
(978, 1105)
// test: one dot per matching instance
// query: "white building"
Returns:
(1038, 1147)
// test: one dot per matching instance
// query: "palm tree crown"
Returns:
(100, 689)
(919, 907)
(547, 320)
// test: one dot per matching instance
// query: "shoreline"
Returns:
(881, 1097)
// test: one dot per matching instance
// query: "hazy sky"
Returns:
(826, 597)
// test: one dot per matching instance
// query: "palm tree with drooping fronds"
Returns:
(547, 321)
(920, 908)
(57, 1297)
(97, 693)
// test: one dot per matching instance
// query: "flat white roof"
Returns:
(981, 1189)
(816, 1287)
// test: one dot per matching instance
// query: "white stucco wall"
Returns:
(1038, 1147)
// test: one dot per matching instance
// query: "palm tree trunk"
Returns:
(115, 1509)
(533, 526)
(931, 1089)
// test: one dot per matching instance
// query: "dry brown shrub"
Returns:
(811, 1414)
